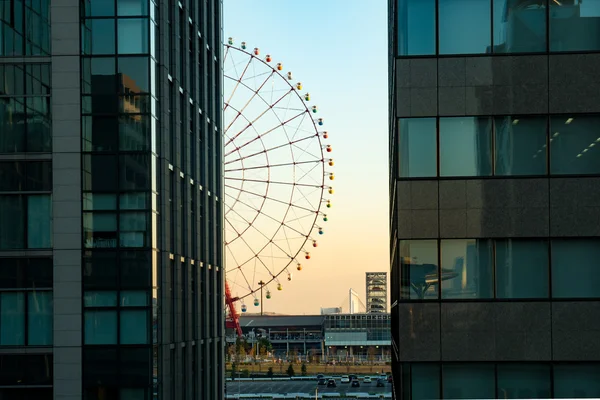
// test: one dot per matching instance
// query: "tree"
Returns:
(264, 346)
(290, 370)
(270, 372)
(231, 351)
(303, 369)
(371, 356)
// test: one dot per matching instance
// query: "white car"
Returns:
(345, 379)
(367, 379)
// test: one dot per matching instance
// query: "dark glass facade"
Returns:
(111, 275)
(494, 188)
(26, 182)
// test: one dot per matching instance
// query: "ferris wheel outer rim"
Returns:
(318, 212)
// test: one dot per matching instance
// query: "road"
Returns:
(301, 387)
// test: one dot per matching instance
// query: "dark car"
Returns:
(390, 379)
(355, 383)
(331, 383)
(320, 376)
(322, 381)
(380, 383)
(353, 377)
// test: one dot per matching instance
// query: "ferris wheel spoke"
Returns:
(254, 94)
(269, 149)
(261, 135)
(276, 220)
(272, 199)
(274, 182)
(236, 86)
(273, 165)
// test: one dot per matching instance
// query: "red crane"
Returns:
(233, 320)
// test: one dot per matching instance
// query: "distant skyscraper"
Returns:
(495, 198)
(111, 262)
(376, 283)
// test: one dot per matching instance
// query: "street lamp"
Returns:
(261, 283)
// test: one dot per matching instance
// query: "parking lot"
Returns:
(301, 387)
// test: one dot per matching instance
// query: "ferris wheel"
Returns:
(276, 174)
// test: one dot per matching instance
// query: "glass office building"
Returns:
(111, 261)
(495, 198)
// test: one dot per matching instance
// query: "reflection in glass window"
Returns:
(99, 173)
(417, 154)
(575, 270)
(425, 381)
(100, 230)
(134, 327)
(467, 269)
(522, 269)
(134, 131)
(416, 27)
(133, 229)
(12, 319)
(133, 35)
(39, 318)
(520, 145)
(134, 73)
(464, 26)
(100, 327)
(468, 381)
(99, 133)
(135, 172)
(574, 144)
(577, 381)
(133, 201)
(465, 146)
(419, 269)
(523, 381)
(575, 25)
(519, 26)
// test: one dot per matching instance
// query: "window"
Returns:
(465, 146)
(101, 36)
(523, 381)
(25, 176)
(104, 8)
(26, 369)
(135, 73)
(425, 381)
(31, 309)
(39, 318)
(22, 273)
(16, 21)
(521, 269)
(133, 35)
(520, 145)
(576, 381)
(419, 269)
(418, 142)
(575, 271)
(99, 133)
(468, 381)
(132, 7)
(112, 317)
(416, 27)
(519, 27)
(574, 144)
(27, 222)
(467, 269)
(575, 25)
(100, 327)
(464, 26)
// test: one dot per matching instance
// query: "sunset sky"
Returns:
(338, 49)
